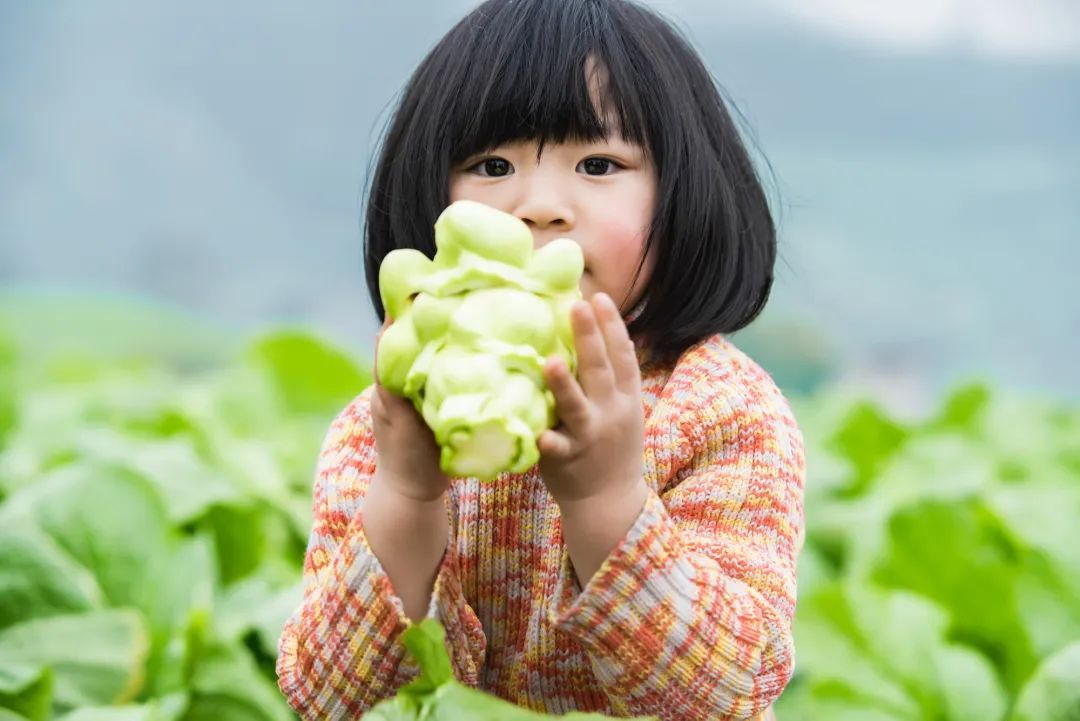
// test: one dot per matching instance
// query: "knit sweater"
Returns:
(689, 617)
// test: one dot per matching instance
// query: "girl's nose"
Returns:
(543, 208)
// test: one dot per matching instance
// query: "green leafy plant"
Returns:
(435, 694)
(154, 510)
(941, 578)
(471, 330)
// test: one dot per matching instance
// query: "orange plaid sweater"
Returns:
(690, 617)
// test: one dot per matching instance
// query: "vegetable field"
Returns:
(154, 508)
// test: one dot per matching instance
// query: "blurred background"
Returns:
(183, 311)
(213, 158)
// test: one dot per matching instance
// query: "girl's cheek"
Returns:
(622, 240)
(613, 260)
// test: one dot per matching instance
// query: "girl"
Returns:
(646, 565)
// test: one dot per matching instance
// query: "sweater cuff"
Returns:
(348, 629)
(465, 640)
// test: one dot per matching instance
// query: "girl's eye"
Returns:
(498, 167)
(598, 166)
(493, 168)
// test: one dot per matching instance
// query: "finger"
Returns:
(593, 367)
(378, 407)
(553, 444)
(386, 398)
(378, 337)
(570, 401)
(620, 349)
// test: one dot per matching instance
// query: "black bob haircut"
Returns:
(515, 70)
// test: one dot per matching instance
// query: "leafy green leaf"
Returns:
(1048, 602)
(836, 700)
(853, 532)
(453, 701)
(840, 648)
(964, 407)
(425, 642)
(436, 696)
(181, 600)
(6, 715)
(169, 708)
(187, 485)
(932, 539)
(97, 657)
(969, 685)
(94, 511)
(239, 538)
(7, 386)
(26, 689)
(888, 652)
(255, 605)
(867, 437)
(38, 579)
(1053, 692)
(309, 374)
(226, 684)
(1042, 516)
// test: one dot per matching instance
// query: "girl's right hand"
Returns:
(408, 456)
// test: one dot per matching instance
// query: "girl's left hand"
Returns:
(597, 448)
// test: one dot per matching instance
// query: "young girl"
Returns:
(646, 565)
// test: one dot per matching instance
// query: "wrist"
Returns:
(403, 516)
(593, 527)
(412, 488)
(614, 500)
(408, 490)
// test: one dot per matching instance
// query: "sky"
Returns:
(1002, 29)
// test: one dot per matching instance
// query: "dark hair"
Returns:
(514, 70)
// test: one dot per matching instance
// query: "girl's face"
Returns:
(601, 195)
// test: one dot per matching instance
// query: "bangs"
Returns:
(529, 77)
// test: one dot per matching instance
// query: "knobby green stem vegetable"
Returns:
(471, 330)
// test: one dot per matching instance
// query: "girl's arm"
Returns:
(340, 651)
(691, 614)
(409, 538)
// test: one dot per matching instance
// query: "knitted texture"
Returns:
(690, 616)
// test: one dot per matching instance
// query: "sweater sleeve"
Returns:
(690, 616)
(340, 651)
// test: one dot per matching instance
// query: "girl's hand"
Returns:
(597, 448)
(408, 456)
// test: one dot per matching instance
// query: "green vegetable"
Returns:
(204, 463)
(1053, 693)
(435, 695)
(471, 331)
(941, 574)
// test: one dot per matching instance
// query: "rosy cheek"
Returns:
(622, 242)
